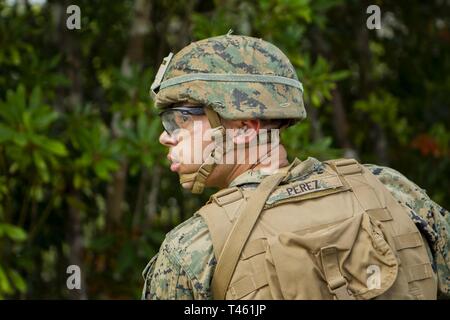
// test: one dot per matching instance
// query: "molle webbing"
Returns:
(402, 234)
(250, 279)
(239, 234)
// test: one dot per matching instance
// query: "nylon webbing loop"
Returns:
(241, 231)
(407, 240)
(160, 74)
(219, 77)
(213, 118)
(249, 283)
(337, 284)
(346, 166)
(227, 196)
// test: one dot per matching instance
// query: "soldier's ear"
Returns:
(246, 131)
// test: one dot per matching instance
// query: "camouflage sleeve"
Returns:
(147, 275)
(184, 265)
(165, 278)
(432, 220)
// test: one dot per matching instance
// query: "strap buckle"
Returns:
(160, 74)
(227, 196)
(337, 284)
(341, 292)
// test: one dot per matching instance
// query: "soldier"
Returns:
(278, 230)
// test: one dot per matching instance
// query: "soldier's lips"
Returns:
(174, 167)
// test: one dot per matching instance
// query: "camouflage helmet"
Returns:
(239, 77)
(235, 78)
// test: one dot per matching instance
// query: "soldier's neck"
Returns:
(267, 163)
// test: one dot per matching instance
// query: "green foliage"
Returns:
(383, 108)
(319, 79)
(10, 280)
(12, 232)
(23, 133)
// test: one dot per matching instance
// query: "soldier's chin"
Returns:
(187, 185)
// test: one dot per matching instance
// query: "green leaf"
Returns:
(13, 232)
(43, 118)
(17, 280)
(5, 133)
(55, 147)
(35, 98)
(5, 286)
(20, 139)
(102, 243)
(27, 120)
(77, 181)
(15, 56)
(14, 105)
(126, 257)
(19, 99)
(102, 172)
(41, 165)
(39, 161)
(340, 75)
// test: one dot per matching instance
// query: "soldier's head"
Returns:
(219, 94)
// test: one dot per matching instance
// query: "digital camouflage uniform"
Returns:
(184, 267)
(239, 77)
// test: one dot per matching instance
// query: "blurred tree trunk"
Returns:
(313, 116)
(341, 126)
(140, 27)
(75, 239)
(140, 198)
(180, 37)
(367, 83)
(340, 122)
(153, 196)
(70, 48)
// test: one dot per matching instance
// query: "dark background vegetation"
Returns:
(83, 179)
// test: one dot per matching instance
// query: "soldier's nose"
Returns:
(167, 140)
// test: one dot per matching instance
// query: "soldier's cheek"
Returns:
(175, 167)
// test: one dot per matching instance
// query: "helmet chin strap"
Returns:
(199, 177)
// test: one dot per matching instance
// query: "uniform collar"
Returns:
(299, 169)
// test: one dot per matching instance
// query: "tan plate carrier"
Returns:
(338, 234)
